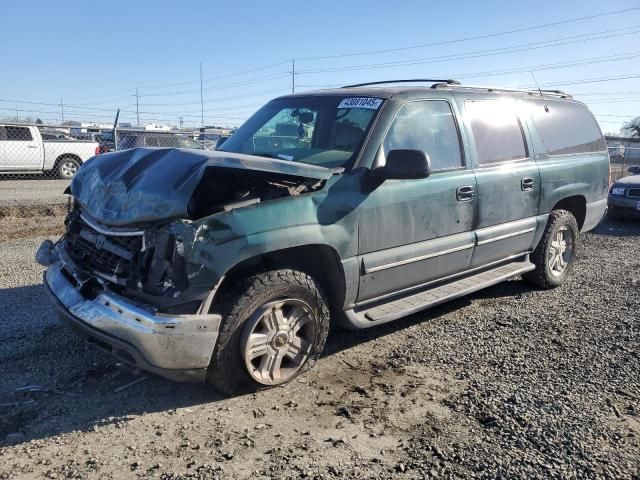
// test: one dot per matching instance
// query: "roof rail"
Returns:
(429, 80)
(557, 93)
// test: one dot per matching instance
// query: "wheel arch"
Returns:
(321, 262)
(576, 205)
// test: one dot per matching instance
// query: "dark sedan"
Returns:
(624, 196)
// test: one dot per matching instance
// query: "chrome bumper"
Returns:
(175, 346)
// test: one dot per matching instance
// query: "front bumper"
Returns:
(178, 347)
(624, 206)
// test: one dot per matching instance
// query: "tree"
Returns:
(631, 128)
(39, 122)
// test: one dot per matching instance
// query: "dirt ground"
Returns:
(511, 382)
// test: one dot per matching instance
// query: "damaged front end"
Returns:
(128, 273)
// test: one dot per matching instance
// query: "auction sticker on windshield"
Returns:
(361, 102)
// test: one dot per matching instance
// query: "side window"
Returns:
(566, 127)
(496, 131)
(429, 126)
(18, 134)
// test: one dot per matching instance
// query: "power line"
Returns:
(552, 66)
(477, 37)
(221, 87)
(483, 53)
(210, 79)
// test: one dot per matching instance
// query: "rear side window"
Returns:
(18, 134)
(496, 131)
(566, 127)
(428, 126)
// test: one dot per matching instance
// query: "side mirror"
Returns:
(405, 165)
(635, 170)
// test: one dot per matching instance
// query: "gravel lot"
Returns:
(31, 190)
(508, 383)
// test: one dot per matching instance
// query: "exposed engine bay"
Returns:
(226, 189)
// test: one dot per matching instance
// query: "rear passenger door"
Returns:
(508, 180)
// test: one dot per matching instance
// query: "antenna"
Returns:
(546, 108)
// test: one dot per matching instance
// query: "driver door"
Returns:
(414, 231)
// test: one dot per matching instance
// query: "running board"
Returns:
(415, 302)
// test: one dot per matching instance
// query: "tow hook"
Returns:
(44, 254)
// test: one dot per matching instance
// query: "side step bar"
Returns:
(414, 302)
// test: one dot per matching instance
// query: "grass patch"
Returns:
(31, 221)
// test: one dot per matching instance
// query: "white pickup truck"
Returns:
(23, 150)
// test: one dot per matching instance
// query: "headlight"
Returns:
(617, 191)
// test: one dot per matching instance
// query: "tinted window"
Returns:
(428, 126)
(566, 127)
(18, 134)
(496, 131)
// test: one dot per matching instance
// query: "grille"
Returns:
(107, 254)
(634, 192)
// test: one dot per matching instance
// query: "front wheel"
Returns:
(274, 328)
(555, 254)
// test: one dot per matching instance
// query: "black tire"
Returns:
(240, 301)
(544, 276)
(67, 167)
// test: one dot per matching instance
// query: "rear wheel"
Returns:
(555, 254)
(67, 167)
(274, 327)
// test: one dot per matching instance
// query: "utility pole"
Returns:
(61, 110)
(201, 99)
(180, 119)
(17, 117)
(293, 75)
(137, 108)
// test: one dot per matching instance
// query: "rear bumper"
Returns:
(594, 214)
(178, 347)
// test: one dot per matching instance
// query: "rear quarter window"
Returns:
(566, 127)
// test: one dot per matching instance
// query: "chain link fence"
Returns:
(622, 158)
(37, 163)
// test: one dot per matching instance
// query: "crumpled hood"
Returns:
(150, 184)
(630, 180)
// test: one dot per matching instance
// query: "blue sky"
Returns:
(93, 58)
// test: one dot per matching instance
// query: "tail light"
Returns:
(98, 152)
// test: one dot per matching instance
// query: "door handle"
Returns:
(465, 193)
(32, 146)
(527, 184)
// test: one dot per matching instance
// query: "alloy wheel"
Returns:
(277, 340)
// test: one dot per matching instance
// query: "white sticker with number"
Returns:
(361, 102)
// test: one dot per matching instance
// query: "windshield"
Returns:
(327, 131)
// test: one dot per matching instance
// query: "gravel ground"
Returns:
(31, 190)
(507, 383)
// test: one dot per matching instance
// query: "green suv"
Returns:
(355, 206)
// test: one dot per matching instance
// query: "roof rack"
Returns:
(429, 80)
(557, 93)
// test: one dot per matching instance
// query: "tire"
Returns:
(67, 167)
(549, 271)
(249, 312)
